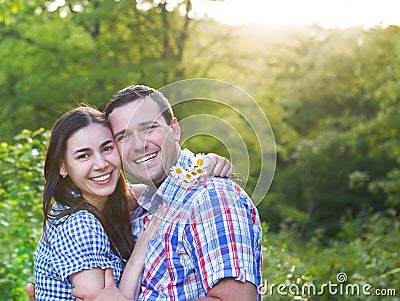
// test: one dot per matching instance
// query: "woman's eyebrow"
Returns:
(81, 150)
(86, 149)
(106, 142)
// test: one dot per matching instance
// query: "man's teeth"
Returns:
(102, 178)
(144, 159)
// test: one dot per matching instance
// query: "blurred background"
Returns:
(325, 73)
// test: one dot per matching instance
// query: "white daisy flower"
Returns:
(195, 170)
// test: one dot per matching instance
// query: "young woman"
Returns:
(86, 203)
(87, 206)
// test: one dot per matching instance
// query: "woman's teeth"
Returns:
(102, 178)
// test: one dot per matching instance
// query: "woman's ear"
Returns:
(63, 172)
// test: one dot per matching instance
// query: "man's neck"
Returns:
(154, 186)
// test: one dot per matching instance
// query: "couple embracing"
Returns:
(194, 237)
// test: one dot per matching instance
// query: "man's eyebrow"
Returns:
(140, 124)
(144, 123)
(119, 133)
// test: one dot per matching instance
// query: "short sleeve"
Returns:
(224, 237)
(81, 243)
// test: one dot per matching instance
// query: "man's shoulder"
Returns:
(216, 189)
(223, 184)
(217, 197)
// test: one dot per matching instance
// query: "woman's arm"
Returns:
(132, 275)
(218, 166)
(90, 280)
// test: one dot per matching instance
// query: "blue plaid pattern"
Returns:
(212, 232)
(78, 243)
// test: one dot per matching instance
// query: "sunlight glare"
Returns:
(328, 14)
(53, 6)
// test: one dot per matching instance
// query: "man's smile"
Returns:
(145, 158)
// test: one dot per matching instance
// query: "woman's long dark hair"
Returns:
(115, 217)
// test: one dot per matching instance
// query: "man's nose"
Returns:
(139, 141)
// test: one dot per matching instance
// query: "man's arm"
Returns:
(229, 289)
(109, 292)
(231, 232)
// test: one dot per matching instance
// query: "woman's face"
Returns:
(93, 163)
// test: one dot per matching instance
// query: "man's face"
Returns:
(149, 147)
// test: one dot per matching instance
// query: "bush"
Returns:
(21, 169)
(366, 251)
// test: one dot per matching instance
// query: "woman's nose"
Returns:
(100, 162)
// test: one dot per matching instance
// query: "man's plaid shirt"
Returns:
(212, 231)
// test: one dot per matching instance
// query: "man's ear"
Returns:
(176, 129)
(63, 171)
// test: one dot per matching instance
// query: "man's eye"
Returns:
(150, 128)
(122, 138)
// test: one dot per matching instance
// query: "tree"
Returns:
(340, 92)
(58, 54)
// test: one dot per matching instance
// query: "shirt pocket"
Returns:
(155, 275)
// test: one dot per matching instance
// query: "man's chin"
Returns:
(147, 180)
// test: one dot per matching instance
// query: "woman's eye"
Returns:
(107, 149)
(83, 156)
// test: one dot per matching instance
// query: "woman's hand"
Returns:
(217, 166)
(131, 277)
(139, 252)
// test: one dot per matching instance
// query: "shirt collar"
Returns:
(170, 190)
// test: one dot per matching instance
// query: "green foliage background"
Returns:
(331, 96)
(21, 172)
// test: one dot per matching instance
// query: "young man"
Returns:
(210, 246)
